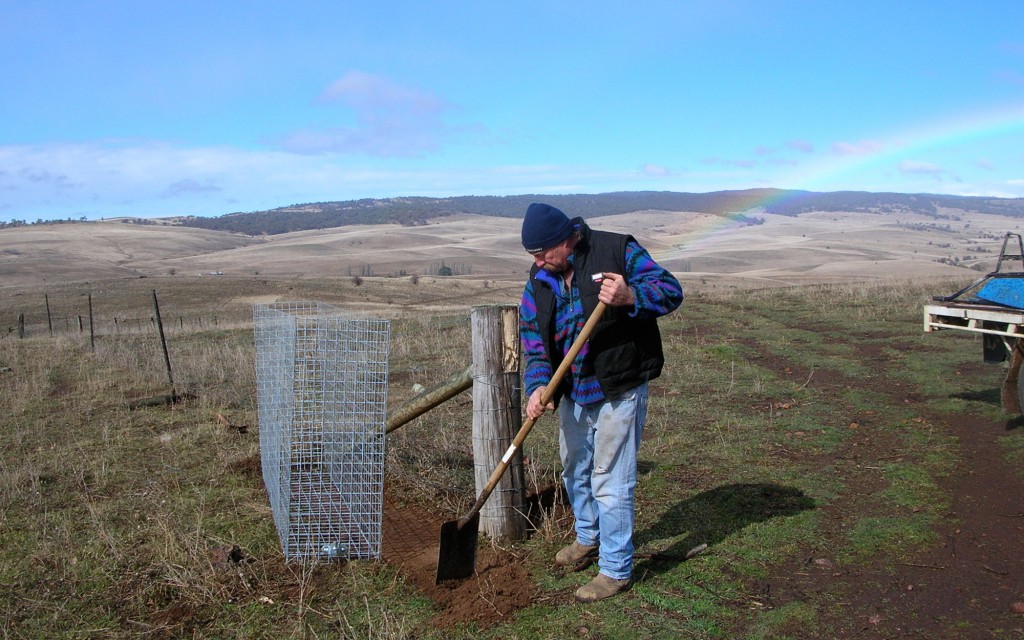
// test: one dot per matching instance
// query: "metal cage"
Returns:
(321, 382)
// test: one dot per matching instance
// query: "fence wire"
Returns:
(321, 377)
(72, 309)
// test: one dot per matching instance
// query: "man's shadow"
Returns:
(708, 517)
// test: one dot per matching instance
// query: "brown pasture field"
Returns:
(706, 249)
(113, 260)
(964, 576)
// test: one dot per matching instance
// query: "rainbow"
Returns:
(838, 168)
(944, 134)
(857, 160)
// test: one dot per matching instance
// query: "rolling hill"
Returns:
(877, 239)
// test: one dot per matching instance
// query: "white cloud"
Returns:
(366, 93)
(117, 177)
(800, 145)
(43, 177)
(189, 186)
(385, 140)
(151, 179)
(860, 148)
(922, 168)
(741, 163)
(391, 120)
(656, 171)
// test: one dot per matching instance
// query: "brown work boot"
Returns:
(601, 587)
(574, 553)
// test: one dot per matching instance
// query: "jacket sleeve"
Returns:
(656, 290)
(538, 368)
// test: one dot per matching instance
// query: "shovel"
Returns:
(456, 557)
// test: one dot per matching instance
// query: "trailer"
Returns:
(994, 308)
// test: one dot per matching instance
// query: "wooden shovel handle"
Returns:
(545, 398)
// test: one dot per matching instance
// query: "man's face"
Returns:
(554, 259)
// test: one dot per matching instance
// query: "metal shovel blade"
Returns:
(456, 557)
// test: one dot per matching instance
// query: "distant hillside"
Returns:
(418, 210)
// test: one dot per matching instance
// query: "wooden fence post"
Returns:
(21, 325)
(497, 416)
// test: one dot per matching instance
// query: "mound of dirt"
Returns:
(501, 585)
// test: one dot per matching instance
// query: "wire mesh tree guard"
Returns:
(321, 383)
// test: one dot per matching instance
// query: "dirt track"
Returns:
(973, 573)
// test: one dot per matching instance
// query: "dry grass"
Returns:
(159, 513)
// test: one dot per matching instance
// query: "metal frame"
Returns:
(322, 378)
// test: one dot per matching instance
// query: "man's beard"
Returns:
(558, 270)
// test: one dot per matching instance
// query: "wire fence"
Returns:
(321, 378)
(99, 314)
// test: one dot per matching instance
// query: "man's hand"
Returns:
(615, 292)
(534, 409)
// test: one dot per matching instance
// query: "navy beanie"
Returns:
(544, 226)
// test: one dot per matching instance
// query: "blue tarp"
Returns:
(1005, 291)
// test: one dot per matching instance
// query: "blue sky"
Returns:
(140, 108)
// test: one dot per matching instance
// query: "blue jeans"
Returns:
(598, 445)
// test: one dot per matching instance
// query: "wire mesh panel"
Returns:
(321, 383)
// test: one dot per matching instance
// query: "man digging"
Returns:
(602, 402)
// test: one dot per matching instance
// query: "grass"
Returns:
(116, 522)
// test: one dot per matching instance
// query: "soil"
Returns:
(969, 584)
(973, 576)
(500, 586)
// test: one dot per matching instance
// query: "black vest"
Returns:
(624, 352)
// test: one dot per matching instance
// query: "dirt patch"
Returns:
(972, 577)
(970, 583)
(501, 585)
